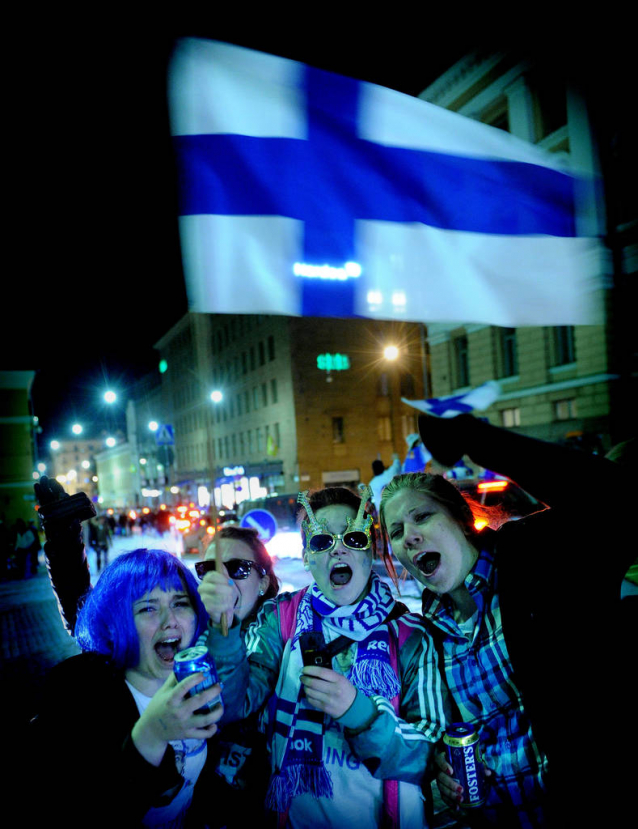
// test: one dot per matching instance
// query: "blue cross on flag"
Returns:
(320, 195)
(477, 399)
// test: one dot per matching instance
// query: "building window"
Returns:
(255, 398)
(509, 353)
(565, 409)
(259, 440)
(564, 345)
(407, 385)
(277, 436)
(461, 361)
(550, 104)
(247, 402)
(250, 441)
(226, 450)
(244, 363)
(498, 115)
(241, 444)
(273, 390)
(408, 425)
(511, 417)
(264, 394)
(238, 404)
(383, 389)
(337, 430)
(252, 357)
(384, 428)
(271, 348)
(262, 353)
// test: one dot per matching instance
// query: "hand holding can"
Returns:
(198, 659)
(464, 755)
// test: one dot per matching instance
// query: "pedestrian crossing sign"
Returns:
(165, 436)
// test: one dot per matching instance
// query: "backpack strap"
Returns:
(287, 613)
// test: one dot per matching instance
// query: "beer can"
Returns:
(194, 660)
(464, 755)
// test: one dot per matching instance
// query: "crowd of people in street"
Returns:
(20, 546)
(334, 698)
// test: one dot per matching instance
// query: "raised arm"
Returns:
(556, 475)
(64, 552)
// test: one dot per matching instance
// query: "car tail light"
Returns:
(493, 486)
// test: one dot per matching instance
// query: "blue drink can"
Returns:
(198, 660)
(464, 755)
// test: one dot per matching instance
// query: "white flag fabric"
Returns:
(307, 193)
(477, 399)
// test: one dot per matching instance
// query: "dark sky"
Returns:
(94, 270)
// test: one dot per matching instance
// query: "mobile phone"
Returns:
(313, 649)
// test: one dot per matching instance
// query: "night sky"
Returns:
(92, 244)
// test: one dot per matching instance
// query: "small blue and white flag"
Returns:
(476, 400)
(307, 193)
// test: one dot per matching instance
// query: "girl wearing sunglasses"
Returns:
(334, 668)
(241, 761)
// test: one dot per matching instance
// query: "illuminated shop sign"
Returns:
(229, 471)
(351, 270)
(333, 362)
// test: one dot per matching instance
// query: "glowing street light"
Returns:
(110, 396)
(216, 396)
(110, 441)
(391, 352)
(55, 444)
(153, 426)
(76, 429)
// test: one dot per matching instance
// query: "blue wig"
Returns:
(105, 623)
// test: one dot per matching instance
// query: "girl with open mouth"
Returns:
(500, 604)
(335, 665)
(115, 716)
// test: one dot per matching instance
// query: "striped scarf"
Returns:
(298, 727)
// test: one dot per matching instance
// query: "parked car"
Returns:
(496, 491)
(286, 543)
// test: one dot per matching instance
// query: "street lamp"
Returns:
(391, 354)
(77, 429)
(110, 396)
(110, 442)
(55, 444)
(153, 426)
(216, 396)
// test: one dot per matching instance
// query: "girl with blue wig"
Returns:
(118, 741)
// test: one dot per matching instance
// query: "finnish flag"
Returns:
(477, 399)
(305, 193)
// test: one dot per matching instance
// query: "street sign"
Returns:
(262, 521)
(165, 436)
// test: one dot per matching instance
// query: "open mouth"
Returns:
(340, 574)
(428, 563)
(167, 649)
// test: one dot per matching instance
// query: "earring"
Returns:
(306, 566)
(261, 592)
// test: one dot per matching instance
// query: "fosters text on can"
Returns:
(198, 660)
(464, 755)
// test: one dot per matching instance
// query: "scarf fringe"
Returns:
(375, 677)
(297, 779)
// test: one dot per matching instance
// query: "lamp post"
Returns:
(391, 353)
(216, 397)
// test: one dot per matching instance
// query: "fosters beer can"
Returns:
(464, 755)
(198, 660)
